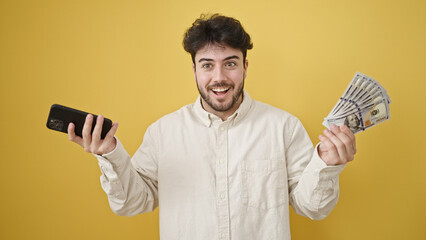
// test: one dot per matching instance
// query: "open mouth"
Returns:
(220, 91)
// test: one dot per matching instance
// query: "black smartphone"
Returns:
(60, 117)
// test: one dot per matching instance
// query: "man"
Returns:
(226, 166)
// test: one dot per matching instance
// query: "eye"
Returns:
(206, 65)
(230, 64)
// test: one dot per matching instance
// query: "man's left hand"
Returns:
(338, 146)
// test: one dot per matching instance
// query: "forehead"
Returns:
(217, 52)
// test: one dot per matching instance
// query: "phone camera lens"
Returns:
(56, 124)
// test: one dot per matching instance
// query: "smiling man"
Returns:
(226, 166)
(219, 73)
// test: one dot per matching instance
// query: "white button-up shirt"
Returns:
(215, 179)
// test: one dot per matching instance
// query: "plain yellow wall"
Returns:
(124, 59)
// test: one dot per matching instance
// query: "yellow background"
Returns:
(124, 59)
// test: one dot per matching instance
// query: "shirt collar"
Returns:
(207, 118)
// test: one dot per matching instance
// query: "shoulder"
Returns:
(177, 117)
(265, 111)
(276, 120)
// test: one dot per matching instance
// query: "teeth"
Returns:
(219, 89)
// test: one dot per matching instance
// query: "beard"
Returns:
(221, 107)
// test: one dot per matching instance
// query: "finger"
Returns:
(349, 141)
(327, 146)
(96, 134)
(87, 136)
(346, 140)
(109, 142)
(351, 135)
(322, 147)
(340, 146)
(72, 136)
(110, 135)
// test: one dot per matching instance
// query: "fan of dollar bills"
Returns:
(364, 104)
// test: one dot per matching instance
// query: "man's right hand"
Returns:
(92, 143)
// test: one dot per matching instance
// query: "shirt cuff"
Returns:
(328, 171)
(113, 159)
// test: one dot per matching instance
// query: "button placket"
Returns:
(222, 200)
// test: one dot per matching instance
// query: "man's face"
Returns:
(220, 72)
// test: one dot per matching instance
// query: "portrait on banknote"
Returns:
(353, 123)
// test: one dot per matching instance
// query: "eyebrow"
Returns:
(227, 58)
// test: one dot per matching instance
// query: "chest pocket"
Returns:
(263, 183)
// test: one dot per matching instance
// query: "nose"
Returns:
(219, 74)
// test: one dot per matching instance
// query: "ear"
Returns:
(194, 70)
(245, 68)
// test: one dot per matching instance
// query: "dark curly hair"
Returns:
(216, 29)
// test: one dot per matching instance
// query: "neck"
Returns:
(223, 114)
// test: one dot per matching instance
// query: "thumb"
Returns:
(322, 146)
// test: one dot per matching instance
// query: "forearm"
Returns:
(317, 190)
(128, 192)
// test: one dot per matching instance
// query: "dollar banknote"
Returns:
(364, 104)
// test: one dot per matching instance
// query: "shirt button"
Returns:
(221, 161)
(221, 128)
(222, 195)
